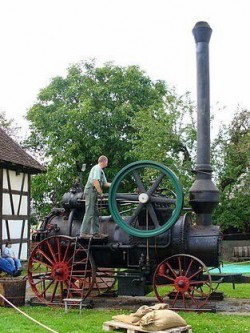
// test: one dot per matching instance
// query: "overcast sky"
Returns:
(41, 38)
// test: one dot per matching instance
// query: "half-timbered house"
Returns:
(16, 168)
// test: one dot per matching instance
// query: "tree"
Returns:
(84, 115)
(166, 133)
(231, 151)
(9, 126)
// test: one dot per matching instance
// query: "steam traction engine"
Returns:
(149, 242)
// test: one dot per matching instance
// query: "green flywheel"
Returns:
(145, 198)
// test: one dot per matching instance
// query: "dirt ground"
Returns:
(228, 305)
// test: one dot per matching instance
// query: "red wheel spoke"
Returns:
(47, 287)
(61, 290)
(42, 280)
(196, 273)
(179, 263)
(54, 291)
(189, 266)
(59, 249)
(70, 259)
(192, 299)
(52, 251)
(184, 300)
(171, 269)
(45, 256)
(41, 263)
(66, 251)
(166, 277)
(200, 292)
(176, 297)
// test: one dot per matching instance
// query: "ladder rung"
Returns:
(73, 299)
(76, 251)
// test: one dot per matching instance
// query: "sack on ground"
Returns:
(135, 318)
(160, 306)
(128, 319)
(161, 320)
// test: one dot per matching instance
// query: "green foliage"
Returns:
(106, 110)
(9, 126)
(166, 133)
(231, 152)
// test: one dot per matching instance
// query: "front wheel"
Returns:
(183, 281)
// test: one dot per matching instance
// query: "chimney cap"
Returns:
(202, 32)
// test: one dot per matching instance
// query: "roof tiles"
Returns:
(12, 155)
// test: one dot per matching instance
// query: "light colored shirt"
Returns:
(96, 173)
(7, 252)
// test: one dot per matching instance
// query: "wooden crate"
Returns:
(13, 289)
(117, 325)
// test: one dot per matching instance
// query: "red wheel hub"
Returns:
(60, 271)
(181, 283)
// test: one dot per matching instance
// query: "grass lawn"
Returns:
(90, 321)
(242, 290)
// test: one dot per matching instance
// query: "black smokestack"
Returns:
(204, 195)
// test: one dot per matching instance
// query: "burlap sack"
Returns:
(157, 320)
(135, 318)
(146, 309)
(160, 306)
(142, 311)
(128, 319)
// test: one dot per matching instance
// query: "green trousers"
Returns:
(91, 216)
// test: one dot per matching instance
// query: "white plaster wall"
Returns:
(15, 180)
(16, 198)
(24, 252)
(15, 228)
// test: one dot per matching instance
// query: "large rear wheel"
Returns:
(55, 273)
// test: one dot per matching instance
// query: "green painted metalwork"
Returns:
(113, 205)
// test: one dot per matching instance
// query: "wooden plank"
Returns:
(115, 325)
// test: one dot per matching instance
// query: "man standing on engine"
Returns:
(96, 181)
